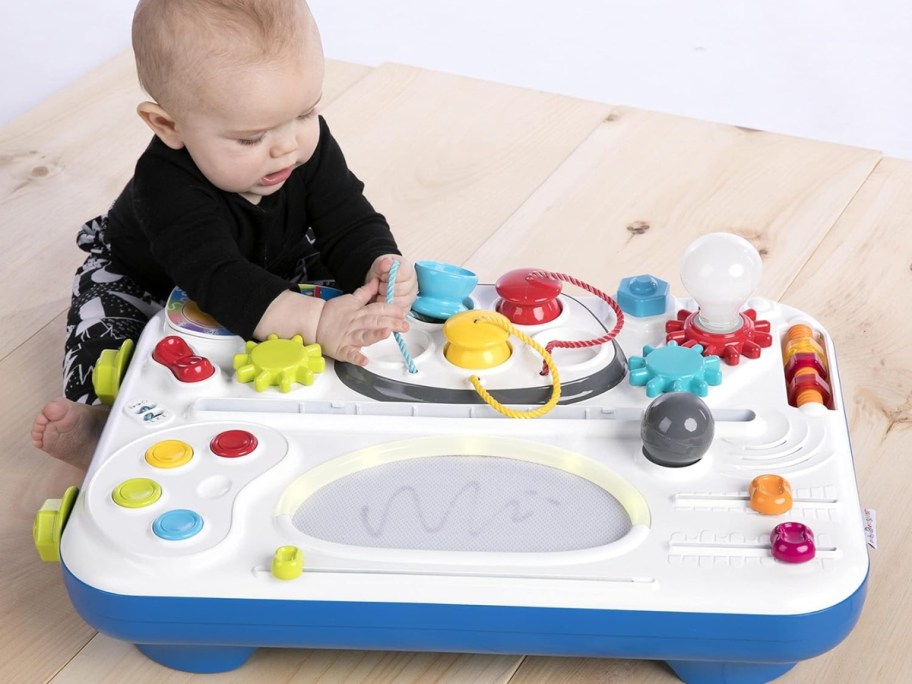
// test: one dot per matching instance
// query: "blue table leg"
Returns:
(705, 672)
(199, 659)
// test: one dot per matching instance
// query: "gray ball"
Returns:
(677, 429)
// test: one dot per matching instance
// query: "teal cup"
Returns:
(443, 289)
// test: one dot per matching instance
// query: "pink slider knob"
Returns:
(792, 542)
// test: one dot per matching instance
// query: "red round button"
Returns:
(528, 300)
(233, 443)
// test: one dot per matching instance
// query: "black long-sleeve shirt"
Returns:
(170, 226)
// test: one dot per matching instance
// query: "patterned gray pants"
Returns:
(107, 308)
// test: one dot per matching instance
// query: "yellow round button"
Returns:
(474, 343)
(170, 453)
(137, 493)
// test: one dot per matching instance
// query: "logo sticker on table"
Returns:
(148, 412)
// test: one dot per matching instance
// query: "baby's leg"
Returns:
(107, 308)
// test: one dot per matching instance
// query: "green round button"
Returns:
(137, 493)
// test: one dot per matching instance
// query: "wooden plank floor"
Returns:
(494, 177)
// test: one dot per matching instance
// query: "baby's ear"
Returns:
(161, 123)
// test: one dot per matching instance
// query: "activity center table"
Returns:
(528, 469)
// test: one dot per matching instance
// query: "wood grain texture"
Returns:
(62, 163)
(645, 185)
(106, 660)
(448, 159)
(40, 630)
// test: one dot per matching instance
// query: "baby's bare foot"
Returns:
(69, 431)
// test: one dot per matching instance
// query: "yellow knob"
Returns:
(474, 343)
(287, 563)
(49, 523)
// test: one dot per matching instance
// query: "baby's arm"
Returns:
(405, 286)
(341, 325)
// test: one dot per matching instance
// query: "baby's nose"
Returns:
(284, 144)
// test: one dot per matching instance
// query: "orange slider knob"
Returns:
(770, 494)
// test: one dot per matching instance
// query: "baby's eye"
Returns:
(250, 141)
(308, 115)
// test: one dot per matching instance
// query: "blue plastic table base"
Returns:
(207, 635)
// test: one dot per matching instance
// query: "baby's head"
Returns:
(182, 45)
(235, 82)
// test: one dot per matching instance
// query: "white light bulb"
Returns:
(720, 271)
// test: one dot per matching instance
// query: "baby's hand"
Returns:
(405, 288)
(349, 322)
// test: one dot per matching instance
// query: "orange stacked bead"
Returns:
(806, 368)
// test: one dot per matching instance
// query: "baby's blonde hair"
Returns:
(175, 40)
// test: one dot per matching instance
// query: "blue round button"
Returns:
(177, 524)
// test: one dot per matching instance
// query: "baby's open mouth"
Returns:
(277, 177)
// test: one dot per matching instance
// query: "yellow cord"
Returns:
(555, 378)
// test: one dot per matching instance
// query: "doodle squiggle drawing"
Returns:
(519, 511)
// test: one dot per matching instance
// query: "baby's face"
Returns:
(253, 125)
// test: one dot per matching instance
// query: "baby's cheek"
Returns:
(309, 140)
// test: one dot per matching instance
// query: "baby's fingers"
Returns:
(368, 291)
(382, 315)
(353, 355)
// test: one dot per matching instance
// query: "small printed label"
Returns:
(148, 412)
(870, 526)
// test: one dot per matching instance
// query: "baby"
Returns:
(242, 194)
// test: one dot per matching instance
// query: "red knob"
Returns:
(175, 354)
(528, 299)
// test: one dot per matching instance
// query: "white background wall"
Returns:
(835, 70)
